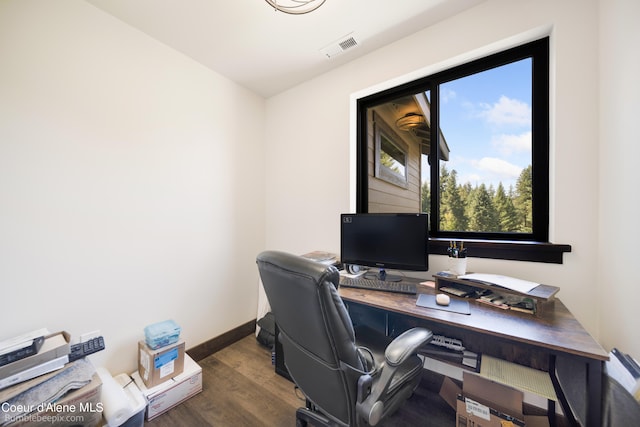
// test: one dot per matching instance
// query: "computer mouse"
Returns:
(443, 299)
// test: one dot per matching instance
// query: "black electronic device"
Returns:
(379, 285)
(80, 350)
(21, 353)
(398, 241)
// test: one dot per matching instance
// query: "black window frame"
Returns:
(534, 246)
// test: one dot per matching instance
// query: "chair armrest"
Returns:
(364, 387)
(399, 351)
(406, 345)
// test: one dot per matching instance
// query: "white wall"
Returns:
(131, 190)
(619, 151)
(130, 184)
(308, 136)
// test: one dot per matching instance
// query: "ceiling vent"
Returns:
(339, 46)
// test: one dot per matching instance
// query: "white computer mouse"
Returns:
(443, 299)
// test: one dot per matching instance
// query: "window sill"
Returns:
(505, 249)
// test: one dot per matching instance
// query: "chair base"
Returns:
(317, 419)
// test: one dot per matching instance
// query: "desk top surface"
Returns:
(557, 330)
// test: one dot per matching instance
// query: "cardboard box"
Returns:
(449, 391)
(173, 392)
(78, 407)
(486, 403)
(159, 365)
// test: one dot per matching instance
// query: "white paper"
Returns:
(512, 283)
(477, 409)
(167, 369)
(518, 376)
(352, 276)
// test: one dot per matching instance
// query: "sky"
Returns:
(486, 121)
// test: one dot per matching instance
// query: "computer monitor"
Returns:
(398, 241)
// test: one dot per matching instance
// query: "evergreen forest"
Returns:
(464, 207)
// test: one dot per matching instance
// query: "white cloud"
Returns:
(507, 111)
(498, 167)
(508, 144)
(447, 95)
(472, 178)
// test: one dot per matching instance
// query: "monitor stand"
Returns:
(382, 275)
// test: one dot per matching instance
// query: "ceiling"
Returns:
(268, 51)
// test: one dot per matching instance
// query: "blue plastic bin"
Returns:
(162, 334)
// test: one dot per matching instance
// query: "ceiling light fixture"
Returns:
(410, 121)
(295, 7)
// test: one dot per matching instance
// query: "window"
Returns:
(486, 180)
(390, 157)
(485, 177)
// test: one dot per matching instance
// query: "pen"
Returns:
(456, 251)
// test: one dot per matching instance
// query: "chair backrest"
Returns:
(315, 330)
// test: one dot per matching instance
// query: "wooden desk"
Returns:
(556, 342)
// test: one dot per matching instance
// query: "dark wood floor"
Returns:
(241, 388)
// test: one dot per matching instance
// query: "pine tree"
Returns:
(523, 200)
(465, 191)
(483, 216)
(444, 207)
(425, 198)
(454, 218)
(507, 215)
(444, 178)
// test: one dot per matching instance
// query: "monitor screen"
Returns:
(397, 241)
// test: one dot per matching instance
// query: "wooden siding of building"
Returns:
(384, 196)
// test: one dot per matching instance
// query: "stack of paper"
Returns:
(626, 370)
(518, 376)
(512, 283)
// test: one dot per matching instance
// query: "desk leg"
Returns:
(594, 393)
(551, 413)
(562, 398)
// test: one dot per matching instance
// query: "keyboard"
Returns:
(378, 285)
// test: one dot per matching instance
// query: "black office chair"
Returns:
(344, 382)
